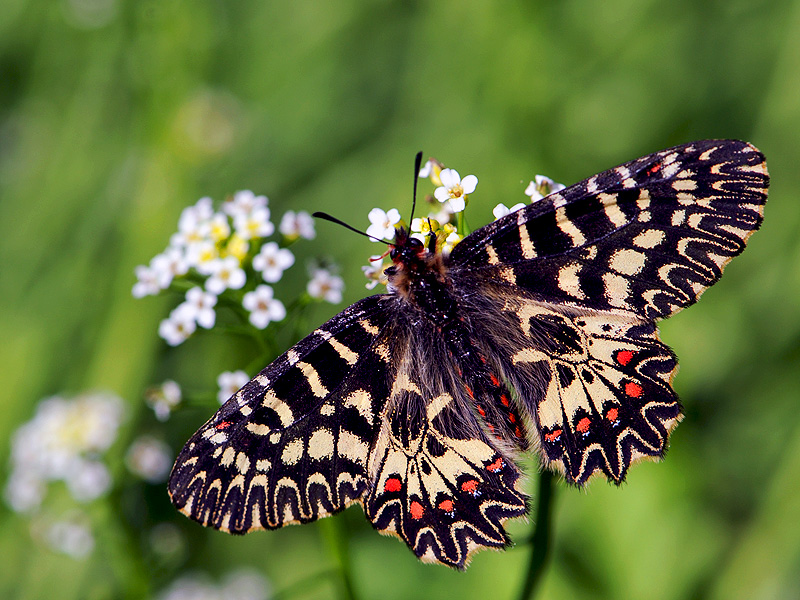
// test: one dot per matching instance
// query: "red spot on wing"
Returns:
(495, 380)
(470, 486)
(654, 169)
(512, 417)
(469, 391)
(553, 435)
(481, 412)
(393, 484)
(634, 390)
(416, 509)
(583, 425)
(223, 424)
(612, 414)
(624, 357)
(504, 400)
(446, 505)
(518, 432)
(496, 465)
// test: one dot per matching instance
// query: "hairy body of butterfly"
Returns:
(537, 330)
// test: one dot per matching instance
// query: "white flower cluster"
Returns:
(218, 247)
(64, 441)
(537, 189)
(242, 584)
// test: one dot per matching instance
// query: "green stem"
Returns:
(542, 536)
(336, 539)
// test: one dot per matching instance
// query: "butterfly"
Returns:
(537, 332)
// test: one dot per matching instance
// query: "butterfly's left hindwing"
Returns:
(292, 445)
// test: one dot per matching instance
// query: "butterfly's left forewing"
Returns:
(293, 444)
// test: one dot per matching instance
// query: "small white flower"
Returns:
(229, 383)
(294, 225)
(244, 202)
(453, 188)
(202, 304)
(324, 285)
(450, 242)
(149, 458)
(263, 307)
(374, 271)
(146, 282)
(87, 479)
(169, 264)
(226, 273)
(178, 326)
(542, 186)
(201, 255)
(25, 491)
(218, 227)
(163, 399)
(192, 223)
(382, 223)
(501, 210)
(426, 169)
(254, 224)
(272, 261)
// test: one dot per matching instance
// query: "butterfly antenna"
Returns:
(327, 217)
(417, 164)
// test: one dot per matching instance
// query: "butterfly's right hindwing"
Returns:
(292, 445)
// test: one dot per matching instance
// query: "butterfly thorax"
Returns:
(419, 276)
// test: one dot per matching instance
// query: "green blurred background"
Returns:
(114, 115)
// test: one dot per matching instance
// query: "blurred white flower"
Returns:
(192, 223)
(300, 224)
(263, 307)
(225, 274)
(229, 383)
(454, 189)
(242, 584)
(382, 223)
(542, 186)
(163, 399)
(501, 210)
(146, 282)
(272, 261)
(254, 224)
(218, 227)
(324, 285)
(202, 255)
(244, 202)
(168, 265)
(70, 536)
(25, 491)
(149, 458)
(87, 479)
(180, 324)
(63, 441)
(245, 584)
(202, 305)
